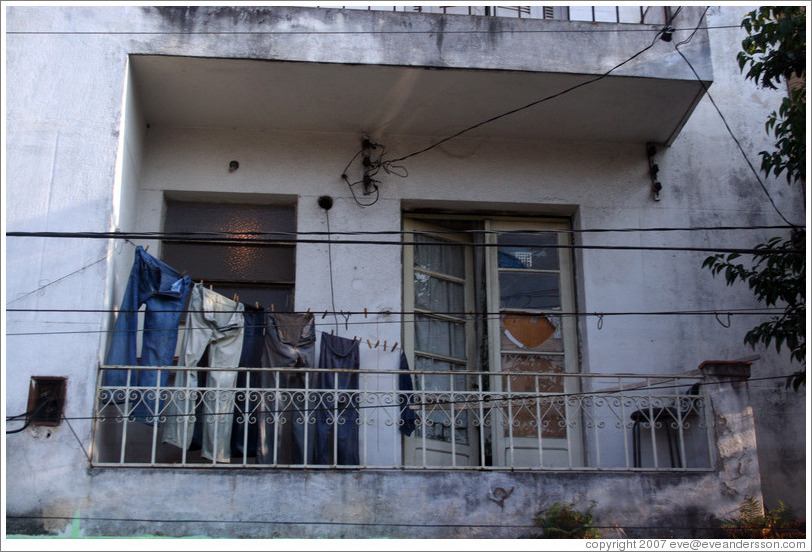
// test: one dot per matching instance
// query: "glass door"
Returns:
(438, 288)
(530, 287)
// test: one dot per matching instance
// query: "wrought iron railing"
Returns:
(450, 420)
(598, 14)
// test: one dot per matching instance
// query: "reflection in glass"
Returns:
(438, 416)
(438, 295)
(449, 259)
(440, 337)
(528, 251)
(529, 291)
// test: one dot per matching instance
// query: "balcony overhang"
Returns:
(381, 100)
(379, 73)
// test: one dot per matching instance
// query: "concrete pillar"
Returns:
(734, 433)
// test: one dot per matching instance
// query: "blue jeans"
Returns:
(163, 290)
(244, 431)
(337, 413)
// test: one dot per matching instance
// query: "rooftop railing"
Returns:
(318, 418)
(598, 14)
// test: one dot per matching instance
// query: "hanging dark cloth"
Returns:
(407, 415)
(337, 413)
(251, 357)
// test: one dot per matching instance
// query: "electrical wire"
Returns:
(330, 263)
(258, 242)
(497, 401)
(106, 257)
(727, 126)
(380, 32)
(768, 311)
(180, 235)
(368, 524)
(29, 416)
(529, 105)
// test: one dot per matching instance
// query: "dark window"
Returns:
(262, 273)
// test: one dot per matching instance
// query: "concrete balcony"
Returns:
(425, 74)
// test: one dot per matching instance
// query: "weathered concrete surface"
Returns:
(361, 504)
(79, 156)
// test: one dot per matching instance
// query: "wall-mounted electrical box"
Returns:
(46, 399)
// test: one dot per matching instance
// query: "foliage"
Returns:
(774, 52)
(751, 523)
(776, 277)
(564, 521)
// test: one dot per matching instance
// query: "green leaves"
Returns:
(564, 521)
(774, 54)
(775, 46)
(777, 277)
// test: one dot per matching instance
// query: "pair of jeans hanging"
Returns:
(163, 292)
(244, 430)
(288, 401)
(215, 323)
(337, 410)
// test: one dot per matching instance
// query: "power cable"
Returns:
(367, 524)
(330, 263)
(30, 415)
(727, 126)
(386, 524)
(281, 233)
(769, 311)
(230, 239)
(529, 105)
(372, 32)
(106, 257)
(641, 388)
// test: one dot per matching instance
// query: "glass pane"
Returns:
(607, 14)
(438, 295)
(222, 262)
(448, 259)
(529, 291)
(440, 337)
(581, 13)
(438, 416)
(183, 216)
(206, 261)
(530, 251)
(531, 333)
(530, 408)
(439, 382)
(629, 14)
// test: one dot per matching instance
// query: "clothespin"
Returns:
(201, 282)
(308, 310)
(272, 309)
(369, 343)
(182, 274)
(332, 332)
(211, 287)
(256, 304)
(365, 312)
(146, 249)
(236, 298)
(384, 344)
(377, 343)
(395, 346)
(323, 315)
(354, 337)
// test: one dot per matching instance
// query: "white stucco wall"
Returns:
(64, 137)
